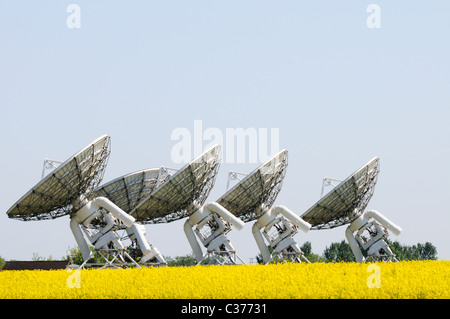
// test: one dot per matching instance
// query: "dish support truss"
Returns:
(277, 227)
(210, 224)
(375, 226)
(102, 222)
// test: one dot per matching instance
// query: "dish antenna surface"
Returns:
(345, 204)
(256, 192)
(53, 196)
(252, 199)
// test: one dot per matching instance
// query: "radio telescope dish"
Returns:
(347, 201)
(255, 193)
(346, 204)
(189, 186)
(127, 191)
(79, 176)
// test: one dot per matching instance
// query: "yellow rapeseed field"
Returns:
(413, 279)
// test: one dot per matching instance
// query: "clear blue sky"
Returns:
(339, 92)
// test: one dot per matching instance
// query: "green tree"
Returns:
(338, 252)
(187, 260)
(420, 251)
(306, 248)
(427, 251)
(74, 255)
(2, 262)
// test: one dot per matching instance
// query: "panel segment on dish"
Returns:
(79, 176)
(129, 190)
(346, 201)
(188, 187)
(252, 198)
(345, 204)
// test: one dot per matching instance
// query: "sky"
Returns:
(339, 82)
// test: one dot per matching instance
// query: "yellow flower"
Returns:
(412, 279)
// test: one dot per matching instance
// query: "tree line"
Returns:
(336, 252)
(341, 251)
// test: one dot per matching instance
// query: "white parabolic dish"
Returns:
(79, 176)
(347, 201)
(255, 194)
